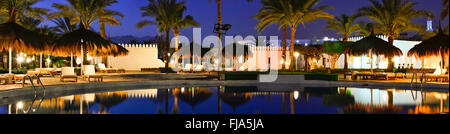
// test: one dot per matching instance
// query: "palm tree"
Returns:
(162, 12)
(103, 20)
(179, 23)
(296, 12)
(15, 10)
(85, 12)
(63, 25)
(168, 15)
(393, 17)
(270, 17)
(445, 10)
(219, 17)
(345, 25)
(105, 14)
(14, 36)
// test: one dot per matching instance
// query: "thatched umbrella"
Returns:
(434, 46)
(373, 45)
(195, 95)
(234, 99)
(16, 37)
(78, 41)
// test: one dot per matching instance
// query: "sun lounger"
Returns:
(438, 76)
(5, 79)
(102, 68)
(89, 72)
(68, 73)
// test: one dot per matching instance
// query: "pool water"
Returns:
(240, 100)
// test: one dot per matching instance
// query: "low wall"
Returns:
(140, 56)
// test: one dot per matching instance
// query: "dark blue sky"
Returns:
(238, 13)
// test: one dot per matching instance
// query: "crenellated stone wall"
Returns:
(140, 56)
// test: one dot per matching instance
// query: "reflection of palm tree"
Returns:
(366, 109)
(109, 99)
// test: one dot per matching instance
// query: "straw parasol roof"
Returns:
(18, 38)
(70, 43)
(116, 50)
(375, 45)
(434, 46)
(195, 96)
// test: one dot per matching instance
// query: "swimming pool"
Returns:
(237, 100)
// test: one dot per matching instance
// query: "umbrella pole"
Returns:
(10, 60)
(40, 60)
(82, 59)
(71, 59)
(371, 61)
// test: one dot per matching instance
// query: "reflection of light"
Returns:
(282, 61)
(296, 94)
(19, 105)
(182, 90)
(48, 60)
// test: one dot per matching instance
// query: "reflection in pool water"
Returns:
(239, 100)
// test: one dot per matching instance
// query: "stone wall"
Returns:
(140, 56)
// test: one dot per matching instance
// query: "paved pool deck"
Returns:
(124, 79)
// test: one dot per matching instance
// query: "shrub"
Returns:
(166, 70)
(241, 75)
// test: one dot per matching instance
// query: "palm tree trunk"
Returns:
(391, 63)
(284, 46)
(103, 34)
(291, 53)
(166, 50)
(219, 21)
(345, 55)
(306, 63)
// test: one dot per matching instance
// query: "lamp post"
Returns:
(296, 54)
(221, 29)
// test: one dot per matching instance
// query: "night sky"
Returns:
(238, 13)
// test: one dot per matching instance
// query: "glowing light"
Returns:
(282, 61)
(182, 90)
(306, 44)
(296, 94)
(296, 54)
(20, 59)
(396, 60)
(48, 60)
(287, 63)
(28, 60)
(19, 105)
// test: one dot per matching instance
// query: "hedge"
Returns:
(254, 75)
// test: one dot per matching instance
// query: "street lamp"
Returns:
(296, 54)
(221, 29)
